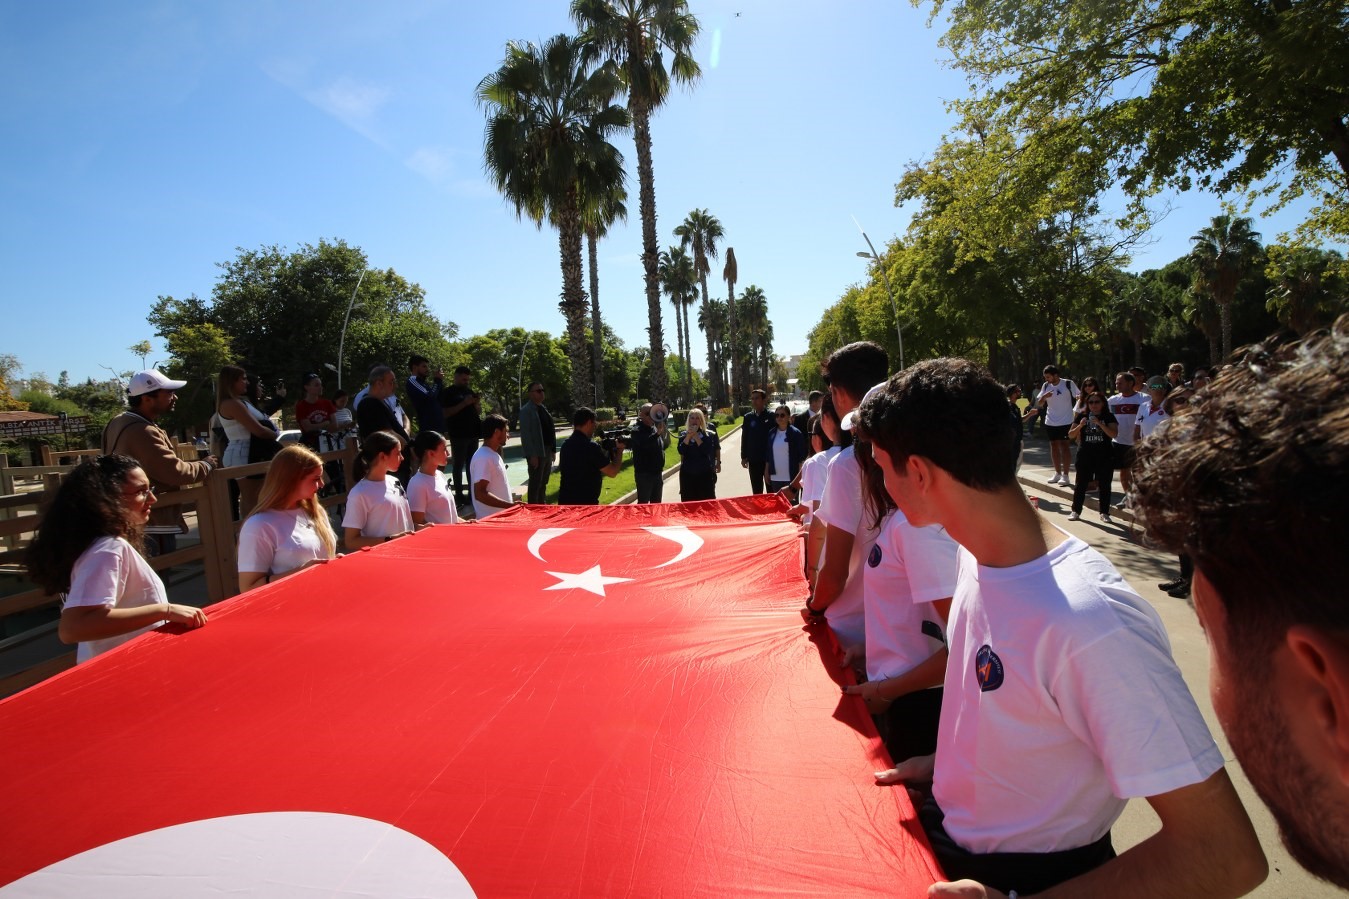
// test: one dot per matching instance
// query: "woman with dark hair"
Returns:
(1094, 428)
(785, 452)
(831, 430)
(314, 413)
(289, 529)
(429, 494)
(89, 548)
(1089, 386)
(377, 509)
(243, 422)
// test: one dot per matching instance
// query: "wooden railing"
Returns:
(22, 661)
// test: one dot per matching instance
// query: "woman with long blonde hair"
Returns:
(288, 530)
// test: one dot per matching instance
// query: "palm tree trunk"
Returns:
(688, 348)
(713, 369)
(679, 332)
(641, 127)
(573, 303)
(734, 387)
(595, 324)
(1225, 312)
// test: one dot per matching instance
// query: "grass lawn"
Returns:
(624, 482)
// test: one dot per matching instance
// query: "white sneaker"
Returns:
(1064, 482)
(1106, 519)
(1073, 516)
(1055, 478)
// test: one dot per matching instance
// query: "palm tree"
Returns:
(765, 348)
(729, 274)
(754, 305)
(635, 35)
(549, 116)
(676, 275)
(1222, 254)
(712, 322)
(700, 231)
(599, 213)
(1307, 286)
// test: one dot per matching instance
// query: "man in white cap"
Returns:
(135, 434)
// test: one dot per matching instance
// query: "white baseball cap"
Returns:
(150, 380)
(850, 420)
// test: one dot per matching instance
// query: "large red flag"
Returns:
(559, 701)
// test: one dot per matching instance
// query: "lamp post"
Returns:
(894, 304)
(342, 341)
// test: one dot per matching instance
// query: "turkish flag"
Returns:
(560, 701)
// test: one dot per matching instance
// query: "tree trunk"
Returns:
(573, 303)
(733, 387)
(1225, 313)
(713, 368)
(641, 127)
(679, 333)
(595, 324)
(688, 363)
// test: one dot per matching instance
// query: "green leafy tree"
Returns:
(1309, 286)
(505, 360)
(142, 349)
(700, 231)
(549, 119)
(637, 35)
(1223, 253)
(283, 313)
(712, 318)
(754, 307)
(196, 354)
(1224, 94)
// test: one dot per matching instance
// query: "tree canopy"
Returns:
(1224, 94)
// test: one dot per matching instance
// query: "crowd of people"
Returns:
(1024, 690)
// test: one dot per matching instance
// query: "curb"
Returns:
(1037, 487)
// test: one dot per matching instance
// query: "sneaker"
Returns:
(1171, 585)
(1074, 516)
(1064, 482)
(1180, 592)
(1106, 519)
(1122, 505)
(1055, 478)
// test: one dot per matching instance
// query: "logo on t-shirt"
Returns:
(988, 668)
(874, 557)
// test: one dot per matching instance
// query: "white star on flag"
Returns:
(590, 579)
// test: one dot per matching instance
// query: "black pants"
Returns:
(697, 485)
(462, 449)
(1093, 465)
(1026, 872)
(909, 725)
(756, 477)
(650, 486)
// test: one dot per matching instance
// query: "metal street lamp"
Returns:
(894, 304)
(342, 341)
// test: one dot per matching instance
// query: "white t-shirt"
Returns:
(430, 495)
(110, 573)
(378, 510)
(1062, 701)
(782, 464)
(487, 465)
(907, 570)
(1149, 418)
(814, 473)
(1058, 402)
(1125, 410)
(842, 507)
(278, 541)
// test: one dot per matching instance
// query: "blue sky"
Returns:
(144, 141)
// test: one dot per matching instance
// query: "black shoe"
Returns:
(1180, 592)
(1171, 585)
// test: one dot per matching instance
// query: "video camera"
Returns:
(614, 440)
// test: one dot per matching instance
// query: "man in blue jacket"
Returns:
(758, 424)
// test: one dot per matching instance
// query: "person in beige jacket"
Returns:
(135, 434)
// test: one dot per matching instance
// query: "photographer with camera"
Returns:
(650, 439)
(584, 463)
